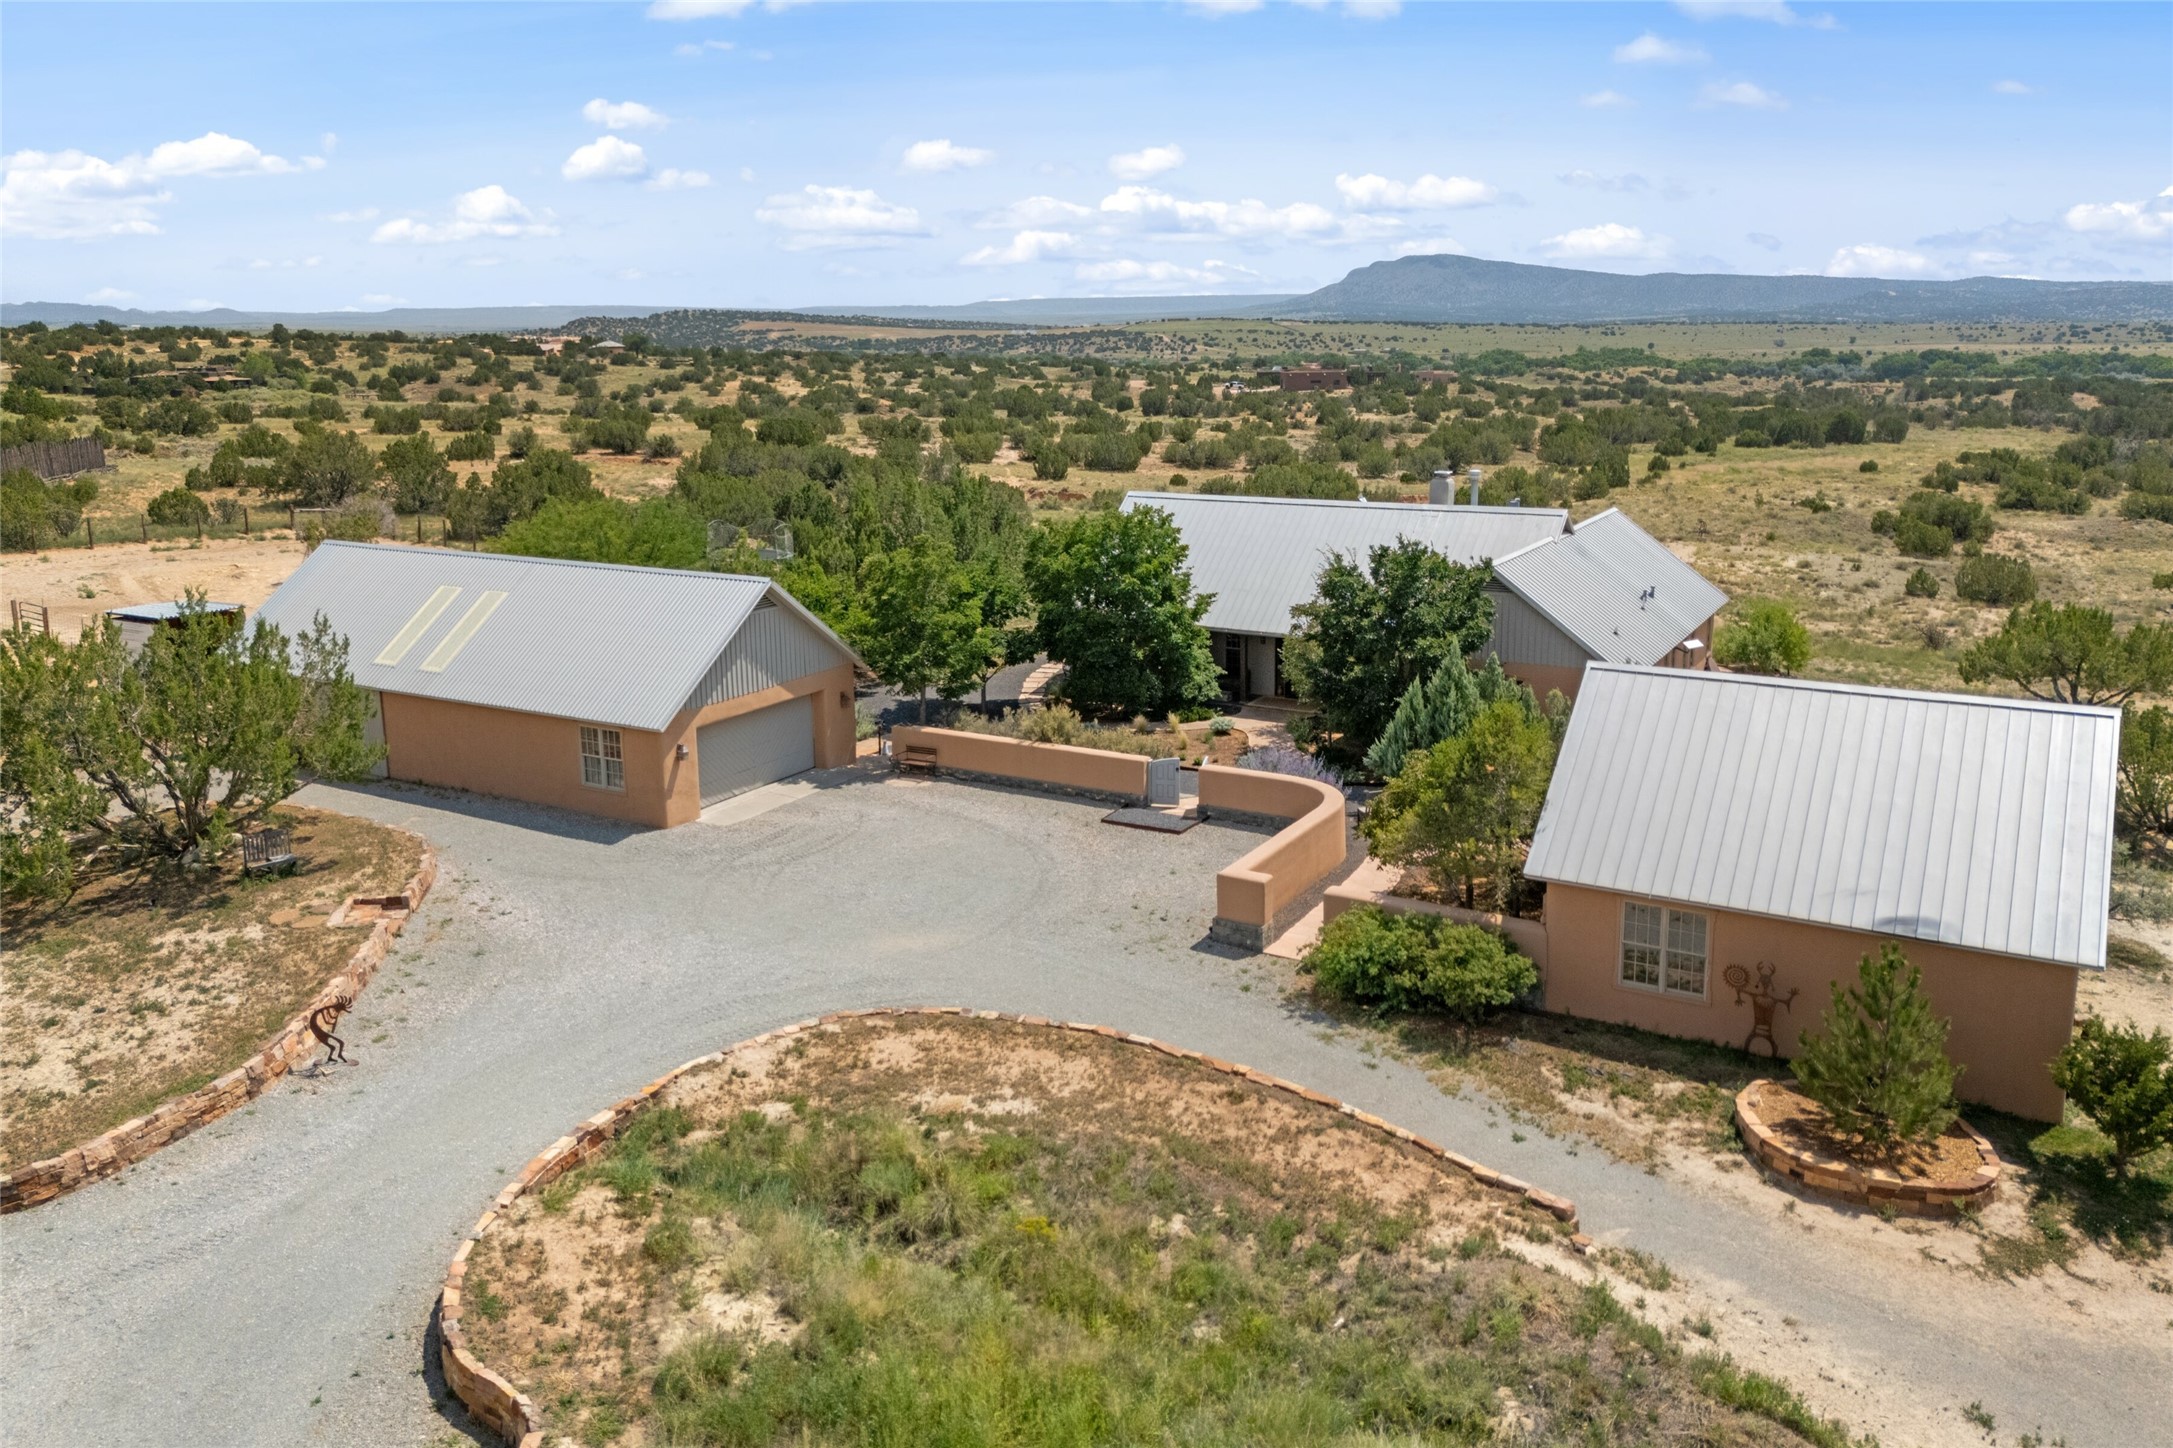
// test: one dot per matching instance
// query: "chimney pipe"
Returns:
(1442, 490)
(1473, 477)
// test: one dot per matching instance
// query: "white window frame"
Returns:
(603, 758)
(1660, 946)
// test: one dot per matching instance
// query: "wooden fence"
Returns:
(55, 459)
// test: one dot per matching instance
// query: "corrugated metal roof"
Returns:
(1262, 557)
(603, 643)
(1974, 822)
(1593, 585)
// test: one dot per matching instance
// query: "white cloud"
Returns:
(109, 296)
(697, 9)
(1217, 8)
(290, 264)
(1608, 239)
(328, 142)
(607, 158)
(1871, 260)
(1027, 246)
(1130, 275)
(360, 213)
(381, 299)
(1428, 246)
(943, 156)
(1628, 181)
(69, 195)
(623, 115)
(701, 47)
(1159, 210)
(485, 211)
(2012, 88)
(836, 216)
(1605, 100)
(1357, 9)
(1151, 161)
(1742, 93)
(1427, 193)
(1650, 49)
(671, 178)
(1774, 11)
(747, 174)
(1037, 211)
(1764, 239)
(2125, 220)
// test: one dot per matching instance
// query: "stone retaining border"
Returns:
(132, 1141)
(492, 1400)
(1867, 1186)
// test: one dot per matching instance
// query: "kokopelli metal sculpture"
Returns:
(1762, 1001)
(324, 1018)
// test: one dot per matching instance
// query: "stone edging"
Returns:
(1866, 1186)
(492, 1400)
(132, 1141)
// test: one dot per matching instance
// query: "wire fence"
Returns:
(238, 521)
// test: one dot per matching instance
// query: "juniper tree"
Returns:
(1880, 1067)
(2123, 1080)
(1441, 706)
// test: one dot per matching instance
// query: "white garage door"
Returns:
(769, 744)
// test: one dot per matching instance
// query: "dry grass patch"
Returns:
(943, 1231)
(152, 980)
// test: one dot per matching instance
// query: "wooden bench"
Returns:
(915, 756)
(268, 852)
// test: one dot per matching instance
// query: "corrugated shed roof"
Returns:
(1593, 585)
(1262, 557)
(604, 643)
(1974, 822)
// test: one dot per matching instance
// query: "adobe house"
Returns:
(1563, 594)
(638, 694)
(1703, 820)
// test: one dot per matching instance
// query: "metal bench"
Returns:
(267, 852)
(915, 756)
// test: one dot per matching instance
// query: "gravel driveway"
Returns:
(271, 1279)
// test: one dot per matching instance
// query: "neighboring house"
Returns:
(641, 694)
(1607, 592)
(1700, 821)
(1312, 377)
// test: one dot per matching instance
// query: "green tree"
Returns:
(2073, 655)
(916, 619)
(1465, 808)
(1880, 1066)
(1765, 638)
(1114, 603)
(1439, 707)
(420, 476)
(1374, 631)
(2145, 791)
(2122, 1080)
(177, 508)
(658, 533)
(164, 751)
(327, 467)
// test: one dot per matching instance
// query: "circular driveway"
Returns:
(270, 1280)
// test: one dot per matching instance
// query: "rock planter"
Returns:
(1942, 1195)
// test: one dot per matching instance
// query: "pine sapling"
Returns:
(1880, 1066)
(2123, 1080)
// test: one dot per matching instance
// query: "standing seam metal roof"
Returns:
(1980, 823)
(1591, 585)
(1262, 557)
(602, 643)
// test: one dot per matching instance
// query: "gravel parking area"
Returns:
(271, 1279)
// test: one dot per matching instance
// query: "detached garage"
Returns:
(640, 694)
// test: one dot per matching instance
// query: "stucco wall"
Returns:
(1543, 679)
(533, 757)
(2009, 1017)
(1253, 894)
(832, 702)
(1062, 766)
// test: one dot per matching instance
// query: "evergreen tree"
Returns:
(1880, 1068)
(1442, 706)
(2123, 1080)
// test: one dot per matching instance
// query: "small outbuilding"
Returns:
(640, 694)
(1701, 821)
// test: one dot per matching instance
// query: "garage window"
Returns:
(1663, 950)
(603, 762)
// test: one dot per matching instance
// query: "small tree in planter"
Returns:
(2123, 1080)
(1880, 1067)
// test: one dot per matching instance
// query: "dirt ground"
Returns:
(77, 584)
(151, 982)
(2143, 995)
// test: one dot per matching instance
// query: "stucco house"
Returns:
(1702, 820)
(640, 694)
(1564, 594)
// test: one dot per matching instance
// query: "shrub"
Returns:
(1995, 579)
(358, 520)
(1766, 638)
(2123, 1080)
(1369, 957)
(1918, 539)
(1880, 1066)
(1921, 584)
(471, 447)
(178, 508)
(1869, 465)
(1282, 759)
(1054, 724)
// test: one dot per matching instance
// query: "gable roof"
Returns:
(1262, 557)
(1592, 585)
(603, 643)
(1974, 822)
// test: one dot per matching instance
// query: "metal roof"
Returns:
(1262, 557)
(1613, 588)
(1981, 823)
(603, 643)
(163, 612)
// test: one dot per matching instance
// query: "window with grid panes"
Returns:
(603, 762)
(1663, 949)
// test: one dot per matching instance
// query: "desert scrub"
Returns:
(1417, 962)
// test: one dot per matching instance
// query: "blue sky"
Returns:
(717, 152)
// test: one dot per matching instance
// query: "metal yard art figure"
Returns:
(324, 1018)
(1762, 1001)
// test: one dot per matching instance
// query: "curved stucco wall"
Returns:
(1256, 893)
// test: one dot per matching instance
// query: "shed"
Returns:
(137, 620)
(1698, 820)
(642, 694)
